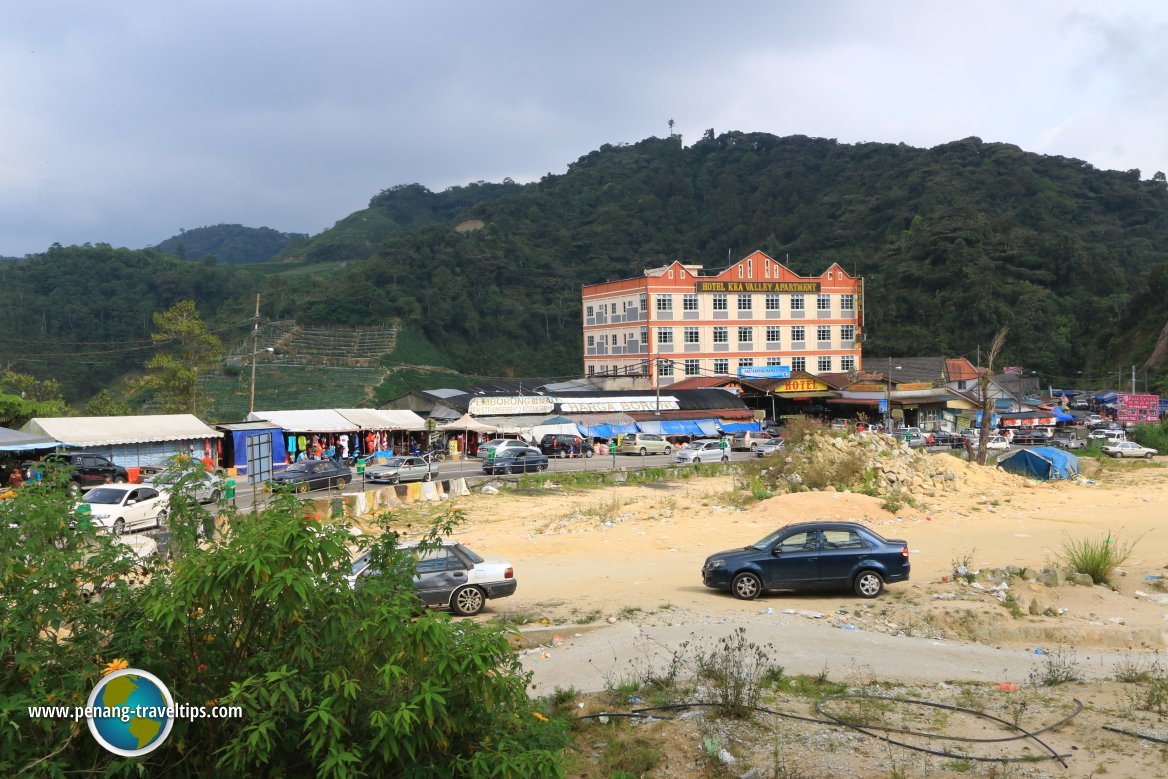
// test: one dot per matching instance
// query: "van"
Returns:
(749, 440)
(644, 443)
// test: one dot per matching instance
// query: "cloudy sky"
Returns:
(122, 121)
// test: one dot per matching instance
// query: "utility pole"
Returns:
(255, 339)
(888, 398)
(657, 385)
(1133, 379)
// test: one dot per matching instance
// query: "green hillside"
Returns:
(233, 244)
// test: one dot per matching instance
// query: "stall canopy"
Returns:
(734, 427)
(467, 424)
(18, 441)
(323, 420)
(1041, 462)
(383, 419)
(690, 427)
(112, 431)
(239, 432)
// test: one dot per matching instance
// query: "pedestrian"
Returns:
(723, 445)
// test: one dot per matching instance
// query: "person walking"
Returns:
(723, 445)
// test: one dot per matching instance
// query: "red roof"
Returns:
(960, 369)
(699, 382)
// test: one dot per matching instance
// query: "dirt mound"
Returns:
(828, 505)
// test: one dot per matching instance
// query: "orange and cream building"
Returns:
(679, 321)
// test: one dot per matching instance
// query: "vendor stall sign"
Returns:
(1137, 408)
(510, 406)
(756, 286)
(802, 385)
(866, 388)
(765, 372)
(917, 385)
(618, 404)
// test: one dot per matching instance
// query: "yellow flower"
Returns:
(539, 716)
(116, 664)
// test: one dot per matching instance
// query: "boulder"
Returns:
(1051, 578)
(1081, 579)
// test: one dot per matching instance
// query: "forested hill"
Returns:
(953, 242)
(233, 244)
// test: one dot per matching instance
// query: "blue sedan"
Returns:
(811, 555)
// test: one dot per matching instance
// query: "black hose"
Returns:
(1136, 735)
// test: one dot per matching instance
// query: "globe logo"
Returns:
(130, 712)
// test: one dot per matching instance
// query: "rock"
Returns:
(1051, 578)
(489, 490)
(1013, 570)
(1081, 579)
(1029, 574)
(1035, 610)
(726, 757)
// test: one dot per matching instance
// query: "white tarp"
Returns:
(110, 431)
(382, 419)
(321, 420)
(539, 431)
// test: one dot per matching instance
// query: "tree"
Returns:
(103, 405)
(173, 375)
(983, 384)
(23, 397)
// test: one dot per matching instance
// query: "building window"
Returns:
(612, 309)
(689, 302)
(745, 334)
(613, 339)
(692, 335)
(645, 334)
(799, 333)
(823, 302)
(773, 361)
(664, 335)
(720, 301)
(643, 366)
(772, 302)
(591, 341)
(588, 312)
(721, 366)
(644, 299)
(750, 268)
(796, 302)
(692, 367)
(847, 302)
(591, 370)
(824, 364)
(745, 362)
(823, 333)
(721, 335)
(665, 367)
(847, 363)
(665, 302)
(848, 332)
(744, 302)
(740, 269)
(766, 268)
(798, 363)
(774, 333)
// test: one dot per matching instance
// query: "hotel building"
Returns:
(678, 321)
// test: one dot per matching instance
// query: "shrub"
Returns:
(1096, 557)
(1151, 435)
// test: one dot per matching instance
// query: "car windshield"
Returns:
(297, 468)
(474, 558)
(394, 462)
(104, 496)
(768, 541)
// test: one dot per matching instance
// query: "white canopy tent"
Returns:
(132, 441)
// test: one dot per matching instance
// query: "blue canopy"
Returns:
(691, 427)
(740, 427)
(1041, 462)
(607, 431)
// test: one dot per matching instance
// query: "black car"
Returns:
(944, 438)
(516, 460)
(561, 445)
(810, 555)
(86, 469)
(314, 475)
(450, 575)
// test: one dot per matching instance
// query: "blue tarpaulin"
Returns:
(607, 431)
(740, 427)
(691, 427)
(1041, 462)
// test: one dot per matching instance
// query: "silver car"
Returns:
(705, 449)
(203, 486)
(770, 447)
(398, 469)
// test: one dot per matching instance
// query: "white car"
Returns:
(117, 508)
(997, 443)
(769, 448)
(704, 449)
(1129, 449)
(203, 486)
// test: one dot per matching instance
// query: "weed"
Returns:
(1132, 670)
(1012, 606)
(629, 756)
(628, 612)
(733, 672)
(1059, 667)
(962, 766)
(1098, 558)
(588, 617)
(962, 565)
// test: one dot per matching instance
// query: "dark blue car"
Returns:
(810, 555)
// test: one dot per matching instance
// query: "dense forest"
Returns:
(232, 244)
(953, 242)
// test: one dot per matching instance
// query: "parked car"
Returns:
(912, 436)
(943, 438)
(203, 486)
(1108, 436)
(1037, 436)
(1066, 438)
(996, 443)
(703, 450)
(770, 447)
(512, 460)
(561, 445)
(314, 475)
(810, 555)
(117, 508)
(497, 445)
(86, 469)
(748, 440)
(398, 469)
(644, 443)
(451, 575)
(1129, 449)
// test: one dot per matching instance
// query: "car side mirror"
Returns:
(131, 502)
(778, 550)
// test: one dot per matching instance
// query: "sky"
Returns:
(124, 121)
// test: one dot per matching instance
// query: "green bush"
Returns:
(332, 681)
(1151, 435)
(1096, 557)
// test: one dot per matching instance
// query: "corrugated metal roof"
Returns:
(382, 419)
(323, 420)
(106, 431)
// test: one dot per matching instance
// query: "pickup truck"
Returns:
(1068, 440)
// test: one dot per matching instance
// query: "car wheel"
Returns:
(302, 487)
(563, 453)
(746, 586)
(589, 453)
(428, 476)
(467, 601)
(119, 526)
(642, 451)
(74, 488)
(341, 482)
(214, 497)
(1148, 456)
(160, 520)
(119, 479)
(508, 470)
(697, 461)
(869, 584)
(668, 449)
(754, 448)
(440, 457)
(543, 466)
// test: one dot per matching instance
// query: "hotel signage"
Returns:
(756, 286)
(801, 385)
